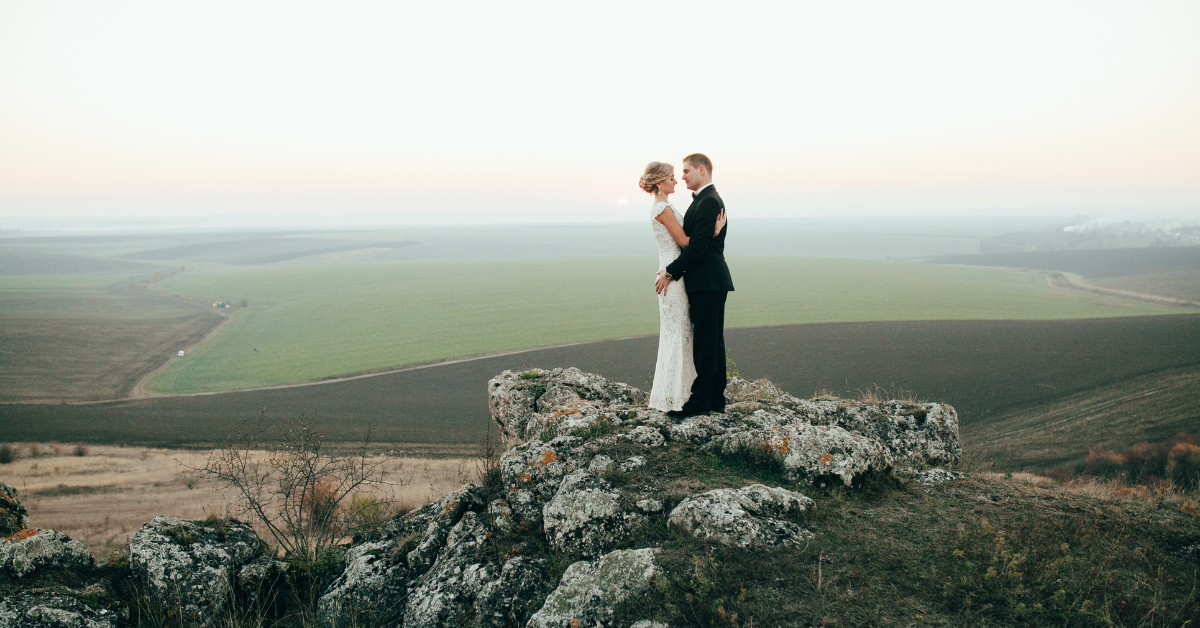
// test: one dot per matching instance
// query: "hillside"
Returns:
(781, 512)
(1146, 408)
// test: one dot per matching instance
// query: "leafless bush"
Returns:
(487, 463)
(7, 453)
(307, 496)
(80, 451)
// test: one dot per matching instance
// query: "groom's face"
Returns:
(694, 177)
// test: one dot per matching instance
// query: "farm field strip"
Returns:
(315, 322)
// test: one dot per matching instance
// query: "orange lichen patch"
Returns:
(826, 458)
(1190, 509)
(450, 506)
(777, 444)
(22, 535)
(574, 623)
(525, 477)
(548, 457)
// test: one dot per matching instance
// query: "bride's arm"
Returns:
(668, 220)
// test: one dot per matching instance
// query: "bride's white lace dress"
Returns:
(674, 371)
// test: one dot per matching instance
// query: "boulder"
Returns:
(512, 598)
(914, 433)
(589, 591)
(808, 452)
(525, 404)
(13, 516)
(646, 436)
(48, 609)
(744, 517)
(585, 516)
(381, 567)
(190, 566)
(33, 549)
(446, 594)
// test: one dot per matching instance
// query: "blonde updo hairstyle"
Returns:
(656, 172)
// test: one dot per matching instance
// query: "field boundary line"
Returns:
(1079, 282)
(412, 367)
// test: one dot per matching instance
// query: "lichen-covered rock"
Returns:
(374, 586)
(32, 549)
(589, 591)
(512, 598)
(48, 609)
(585, 515)
(263, 581)
(646, 623)
(13, 516)
(523, 405)
(744, 517)
(925, 433)
(192, 565)
(930, 477)
(808, 452)
(646, 436)
(445, 595)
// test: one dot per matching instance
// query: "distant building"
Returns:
(181, 354)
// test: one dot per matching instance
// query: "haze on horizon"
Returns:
(546, 112)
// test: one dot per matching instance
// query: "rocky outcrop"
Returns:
(559, 401)
(13, 516)
(585, 515)
(589, 591)
(808, 452)
(46, 609)
(381, 568)
(32, 549)
(192, 565)
(745, 517)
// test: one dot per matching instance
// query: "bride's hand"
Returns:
(720, 223)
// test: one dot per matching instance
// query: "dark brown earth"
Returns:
(981, 367)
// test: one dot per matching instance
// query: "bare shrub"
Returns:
(7, 453)
(487, 464)
(1183, 465)
(307, 496)
(80, 451)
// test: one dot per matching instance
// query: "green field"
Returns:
(309, 322)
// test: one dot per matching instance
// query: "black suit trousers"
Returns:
(707, 310)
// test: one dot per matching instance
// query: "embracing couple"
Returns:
(692, 284)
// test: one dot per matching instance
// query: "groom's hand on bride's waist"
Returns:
(662, 281)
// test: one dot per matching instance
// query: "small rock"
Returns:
(600, 464)
(13, 516)
(646, 623)
(32, 549)
(743, 517)
(650, 505)
(589, 591)
(930, 477)
(646, 436)
(632, 463)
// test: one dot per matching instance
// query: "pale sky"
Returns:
(524, 111)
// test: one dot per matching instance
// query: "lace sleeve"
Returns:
(658, 209)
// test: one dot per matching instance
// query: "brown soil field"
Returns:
(1176, 284)
(983, 368)
(1090, 263)
(104, 497)
(66, 347)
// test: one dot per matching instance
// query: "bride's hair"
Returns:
(656, 172)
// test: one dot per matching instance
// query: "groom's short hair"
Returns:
(699, 159)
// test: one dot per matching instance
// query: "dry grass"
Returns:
(103, 498)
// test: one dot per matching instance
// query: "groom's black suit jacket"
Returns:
(703, 261)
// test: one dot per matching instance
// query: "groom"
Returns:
(708, 283)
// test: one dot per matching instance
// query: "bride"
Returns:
(674, 371)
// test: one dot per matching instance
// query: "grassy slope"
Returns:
(1177, 284)
(313, 322)
(1150, 407)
